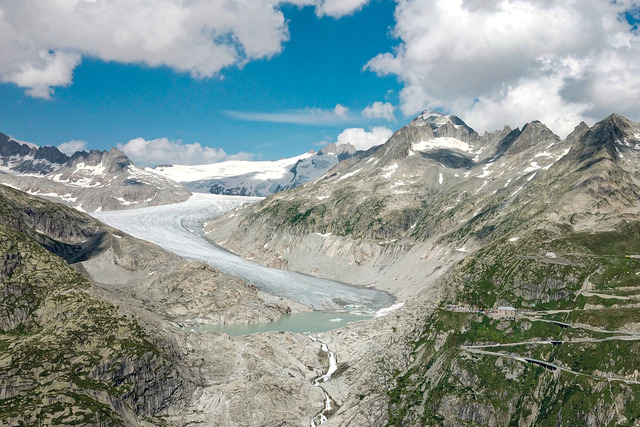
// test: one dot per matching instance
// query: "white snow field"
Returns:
(178, 228)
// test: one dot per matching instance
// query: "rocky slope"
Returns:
(97, 180)
(110, 351)
(262, 178)
(515, 253)
(458, 225)
(377, 216)
(69, 358)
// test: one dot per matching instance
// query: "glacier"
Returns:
(178, 228)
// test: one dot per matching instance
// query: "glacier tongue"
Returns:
(177, 228)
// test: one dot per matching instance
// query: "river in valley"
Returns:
(178, 228)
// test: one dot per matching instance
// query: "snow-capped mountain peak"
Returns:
(437, 120)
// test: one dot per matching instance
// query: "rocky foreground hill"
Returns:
(516, 253)
(89, 181)
(94, 330)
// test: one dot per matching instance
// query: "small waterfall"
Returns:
(321, 417)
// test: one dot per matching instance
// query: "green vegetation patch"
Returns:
(611, 319)
(546, 269)
(448, 384)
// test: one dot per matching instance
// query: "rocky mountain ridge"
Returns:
(464, 228)
(89, 181)
(392, 203)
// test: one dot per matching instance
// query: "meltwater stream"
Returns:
(178, 228)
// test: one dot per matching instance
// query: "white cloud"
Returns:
(42, 41)
(339, 8)
(380, 110)
(364, 140)
(341, 110)
(515, 60)
(40, 74)
(306, 116)
(72, 146)
(165, 151)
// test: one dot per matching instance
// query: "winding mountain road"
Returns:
(481, 349)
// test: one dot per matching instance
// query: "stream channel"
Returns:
(178, 228)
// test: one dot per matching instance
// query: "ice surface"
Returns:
(264, 169)
(441, 142)
(350, 174)
(177, 228)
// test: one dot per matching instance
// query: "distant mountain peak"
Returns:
(436, 120)
(94, 180)
(339, 149)
(427, 114)
(617, 122)
(27, 158)
(113, 160)
(606, 140)
(537, 129)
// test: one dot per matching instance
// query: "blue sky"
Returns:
(109, 102)
(209, 80)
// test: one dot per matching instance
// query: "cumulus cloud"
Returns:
(341, 110)
(339, 8)
(363, 140)
(165, 151)
(513, 61)
(380, 110)
(42, 41)
(44, 71)
(306, 116)
(72, 146)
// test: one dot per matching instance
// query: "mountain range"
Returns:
(459, 225)
(88, 181)
(513, 255)
(257, 178)
(100, 180)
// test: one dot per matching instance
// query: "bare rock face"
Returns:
(72, 358)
